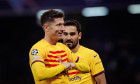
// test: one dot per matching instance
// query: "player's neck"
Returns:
(49, 40)
(74, 50)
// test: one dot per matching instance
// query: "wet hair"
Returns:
(73, 22)
(50, 15)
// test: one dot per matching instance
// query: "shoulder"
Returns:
(61, 44)
(39, 45)
(37, 48)
(88, 50)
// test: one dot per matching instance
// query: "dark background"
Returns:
(115, 37)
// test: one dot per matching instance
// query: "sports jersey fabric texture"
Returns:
(45, 58)
(95, 63)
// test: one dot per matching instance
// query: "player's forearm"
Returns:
(102, 82)
(40, 72)
(82, 67)
(101, 79)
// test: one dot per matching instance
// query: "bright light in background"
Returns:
(134, 9)
(39, 13)
(95, 11)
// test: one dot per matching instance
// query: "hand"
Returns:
(72, 64)
(67, 65)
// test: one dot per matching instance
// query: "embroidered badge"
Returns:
(34, 52)
(36, 57)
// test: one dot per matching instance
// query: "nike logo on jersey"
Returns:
(95, 56)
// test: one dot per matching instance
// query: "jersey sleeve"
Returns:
(37, 64)
(96, 65)
(82, 65)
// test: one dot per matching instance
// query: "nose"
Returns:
(68, 37)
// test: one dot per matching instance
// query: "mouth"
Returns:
(69, 42)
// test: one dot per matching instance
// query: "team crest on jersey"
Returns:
(59, 58)
(34, 52)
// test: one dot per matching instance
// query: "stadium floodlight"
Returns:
(134, 9)
(95, 11)
(39, 13)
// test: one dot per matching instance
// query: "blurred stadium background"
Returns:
(114, 35)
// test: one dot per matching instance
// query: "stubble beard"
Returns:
(73, 45)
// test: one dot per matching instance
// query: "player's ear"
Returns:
(45, 26)
(80, 35)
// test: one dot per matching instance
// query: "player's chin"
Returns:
(69, 44)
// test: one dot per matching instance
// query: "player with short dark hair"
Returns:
(48, 58)
(71, 37)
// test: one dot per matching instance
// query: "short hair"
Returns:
(73, 22)
(50, 15)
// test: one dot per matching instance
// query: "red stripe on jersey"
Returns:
(55, 52)
(57, 56)
(53, 56)
(51, 65)
(64, 60)
(71, 73)
(63, 55)
(49, 60)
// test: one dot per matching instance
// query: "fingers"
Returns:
(72, 65)
(68, 65)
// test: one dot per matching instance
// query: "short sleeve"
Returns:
(96, 65)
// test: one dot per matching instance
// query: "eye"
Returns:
(72, 34)
(64, 33)
(58, 24)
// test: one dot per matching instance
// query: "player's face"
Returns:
(56, 29)
(71, 37)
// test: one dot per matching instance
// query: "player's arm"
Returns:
(82, 65)
(79, 66)
(101, 79)
(97, 69)
(79, 63)
(40, 72)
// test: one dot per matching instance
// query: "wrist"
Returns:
(73, 65)
(63, 66)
